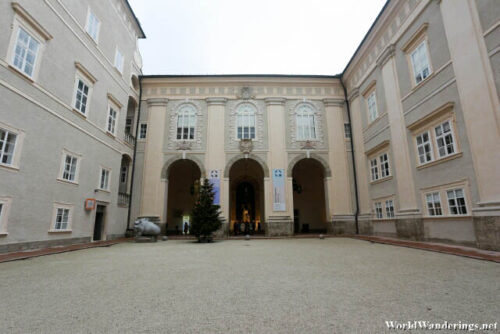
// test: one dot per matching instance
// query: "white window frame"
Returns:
(110, 120)
(5, 203)
(244, 121)
(4, 141)
(119, 60)
(371, 102)
(143, 134)
(454, 191)
(305, 123)
(108, 183)
(385, 166)
(187, 114)
(384, 208)
(446, 208)
(18, 144)
(374, 175)
(347, 131)
(389, 208)
(87, 25)
(61, 206)
(80, 77)
(416, 71)
(123, 174)
(62, 166)
(443, 136)
(129, 125)
(432, 208)
(424, 145)
(379, 213)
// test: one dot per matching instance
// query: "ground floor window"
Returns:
(434, 204)
(104, 180)
(456, 202)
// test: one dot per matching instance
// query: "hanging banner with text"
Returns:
(215, 181)
(279, 190)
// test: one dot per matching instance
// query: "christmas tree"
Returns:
(205, 214)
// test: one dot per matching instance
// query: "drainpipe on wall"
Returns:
(133, 159)
(352, 156)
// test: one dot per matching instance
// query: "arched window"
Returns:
(246, 121)
(186, 122)
(306, 129)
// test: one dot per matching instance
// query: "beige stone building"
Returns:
(420, 103)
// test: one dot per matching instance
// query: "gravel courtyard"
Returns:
(333, 285)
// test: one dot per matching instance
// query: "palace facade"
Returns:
(404, 143)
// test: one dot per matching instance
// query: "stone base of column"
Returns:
(278, 226)
(410, 226)
(341, 224)
(487, 230)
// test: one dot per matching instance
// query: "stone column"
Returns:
(409, 223)
(337, 186)
(364, 214)
(277, 222)
(481, 111)
(153, 192)
(215, 157)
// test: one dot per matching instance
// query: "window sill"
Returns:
(441, 160)
(384, 220)
(102, 191)
(110, 134)
(387, 178)
(449, 217)
(4, 234)
(9, 167)
(60, 231)
(21, 74)
(421, 83)
(79, 113)
(74, 183)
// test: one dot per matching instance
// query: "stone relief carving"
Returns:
(245, 93)
(232, 143)
(246, 146)
(319, 121)
(173, 109)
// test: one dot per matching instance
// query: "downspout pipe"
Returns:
(356, 214)
(133, 158)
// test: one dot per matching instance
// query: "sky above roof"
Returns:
(251, 37)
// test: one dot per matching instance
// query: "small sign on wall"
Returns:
(89, 204)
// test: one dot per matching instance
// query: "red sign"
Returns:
(90, 204)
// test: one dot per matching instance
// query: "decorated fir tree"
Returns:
(205, 214)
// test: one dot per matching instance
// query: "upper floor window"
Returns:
(444, 139)
(82, 93)
(245, 121)
(374, 169)
(306, 127)
(433, 201)
(379, 167)
(384, 165)
(420, 62)
(143, 130)
(186, 123)
(93, 25)
(70, 163)
(104, 179)
(424, 147)
(7, 146)
(119, 61)
(25, 52)
(439, 139)
(112, 119)
(372, 106)
(128, 125)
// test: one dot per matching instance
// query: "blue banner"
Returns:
(279, 190)
(215, 181)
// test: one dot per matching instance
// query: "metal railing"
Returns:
(123, 199)
(129, 139)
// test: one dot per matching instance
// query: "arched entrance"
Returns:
(246, 179)
(309, 202)
(183, 185)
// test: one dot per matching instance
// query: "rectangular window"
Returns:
(424, 148)
(389, 208)
(378, 210)
(433, 201)
(186, 123)
(69, 171)
(62, 219)
(372, 106)
(112, 115)
(25, 52)
(93, 25)
(246, 126)
(444, 139)
(7, 145)
(420, 62)
(143, 131)
(1, 216)
(456, 202)
(347, 130)
(81, 97)
(384, 165)
(119, 61)
(374, 169)
(128, 125)
(104, 181)
(123, 174)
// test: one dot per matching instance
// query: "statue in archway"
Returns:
(245, 215)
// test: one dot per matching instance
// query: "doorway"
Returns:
(99, 222)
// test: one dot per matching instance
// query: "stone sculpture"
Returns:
(145, 227)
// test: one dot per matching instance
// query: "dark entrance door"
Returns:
(99, 220)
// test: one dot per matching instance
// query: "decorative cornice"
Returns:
(115, 100)
(157, 102)
(386, 55)
(415, 37)
(334, 102)
(275, 101)
(354, 94)
(34, 23)
(85, 72)
(211, 101)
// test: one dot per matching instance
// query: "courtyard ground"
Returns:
(335, 285)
